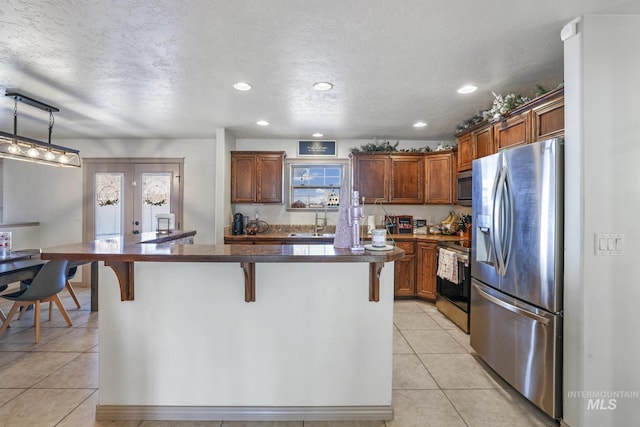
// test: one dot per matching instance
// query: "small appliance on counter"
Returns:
(419, 226)
(238, 224)
(390, 223)
(404, 224)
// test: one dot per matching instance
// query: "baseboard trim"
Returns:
(243, 413)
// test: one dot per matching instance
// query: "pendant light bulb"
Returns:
(13, 148)
(63, 159)
(33, 152)
(49, 156)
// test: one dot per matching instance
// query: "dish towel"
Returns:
(448, 266)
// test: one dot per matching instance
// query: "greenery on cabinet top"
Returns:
(387, 147)
(503, 105)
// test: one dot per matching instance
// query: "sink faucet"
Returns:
(317, 227)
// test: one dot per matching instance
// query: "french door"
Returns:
(123, 196)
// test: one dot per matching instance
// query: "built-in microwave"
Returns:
(464, 188)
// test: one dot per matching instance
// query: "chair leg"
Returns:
(12, 312)
(64, 313)
(36, 320)
(73, 293)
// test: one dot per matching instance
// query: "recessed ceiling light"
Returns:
(467, 89)
(322, 86)
(262, 123)
(242, 86)
(317, 135)
(419, 124)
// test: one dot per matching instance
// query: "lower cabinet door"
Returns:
(405, 271)
(426, 270)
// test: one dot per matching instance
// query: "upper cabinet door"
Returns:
(512, 131)
(548, 120)
(465, 152)
(270, 168)
(483, 142)
(407, 178)
(371, 177)
(440, 173)
(243, 178)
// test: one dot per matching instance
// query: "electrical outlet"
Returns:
(608, 244)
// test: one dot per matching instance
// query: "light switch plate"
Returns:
(608, 244)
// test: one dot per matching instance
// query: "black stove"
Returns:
(454, 293)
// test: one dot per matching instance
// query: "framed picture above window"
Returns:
(316, 148)
(312, 185)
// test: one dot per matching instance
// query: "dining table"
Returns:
(19, 266)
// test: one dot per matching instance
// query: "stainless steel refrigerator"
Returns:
(517, 268)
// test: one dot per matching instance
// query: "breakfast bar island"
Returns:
(241, 332)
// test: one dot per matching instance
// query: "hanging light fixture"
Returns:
(13, 146)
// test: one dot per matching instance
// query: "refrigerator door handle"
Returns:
(507, 231)
(512, 308)
(497, 221)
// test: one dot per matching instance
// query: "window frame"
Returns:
(290, 164)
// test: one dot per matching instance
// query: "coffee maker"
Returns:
(238, 224)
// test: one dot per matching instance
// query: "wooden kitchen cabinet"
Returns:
(257, 176)
(466, 152)
(548, 120)
(371, 176)
(483, 142)
(405, 271)
(427, 264)
(440, 173)
(512, 131)
(539, 119)
(406, 179)
(393, 178)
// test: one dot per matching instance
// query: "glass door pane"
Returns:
(156, 199)
(156, 191)
(108, 204)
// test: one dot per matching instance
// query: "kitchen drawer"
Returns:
(407, 247)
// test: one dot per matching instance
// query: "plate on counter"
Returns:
(370, 247)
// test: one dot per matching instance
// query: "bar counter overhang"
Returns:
(242, 332)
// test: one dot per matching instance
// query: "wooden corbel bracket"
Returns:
(124, 273)
(249, 269)
(374, 280)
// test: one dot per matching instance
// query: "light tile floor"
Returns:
(437, 380)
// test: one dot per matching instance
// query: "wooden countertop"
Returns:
(117, 250)
(121, 255)
(277, 237)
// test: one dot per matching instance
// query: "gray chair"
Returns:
(50, 280)
(70, 275)
(2, 316)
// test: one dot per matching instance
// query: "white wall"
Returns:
(53, 196)
(226, 143)
(601, 344)
(277, 214)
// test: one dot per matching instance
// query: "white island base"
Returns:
(311, 347)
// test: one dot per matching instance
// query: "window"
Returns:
(312, 185)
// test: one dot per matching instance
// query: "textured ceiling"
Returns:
(165, 68)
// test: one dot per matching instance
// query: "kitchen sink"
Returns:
(306, 235)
